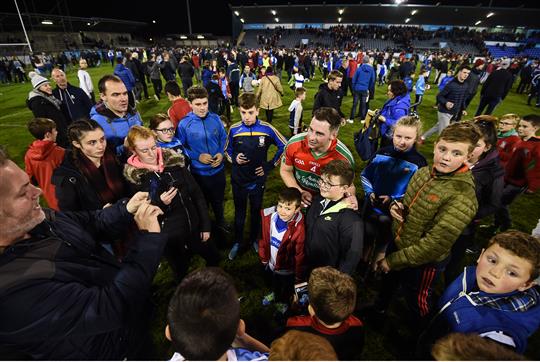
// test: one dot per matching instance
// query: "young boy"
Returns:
(508, 137)
(296, 110)
(43, 157)
(334, 230)
(438, 204)
(421, 87)
(281, 246)
(247, 149)
(179, 106)
(204, 320)
(332, 300)
(522, 172)
(498, 299)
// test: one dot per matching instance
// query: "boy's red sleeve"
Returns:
(264, 241)
(532, 168)
(298, 239)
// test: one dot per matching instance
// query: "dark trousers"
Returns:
(502, 216)
(144, 87)
(455, 263)
(158, 87)
(360, 97)
(489, 102)
(282, 285)
(523, 86)
(269, 115)
(186, 83)
(417, 100)
(131, 98)
(235, 92)
(378, 230)
(213, 188)
(241, 195)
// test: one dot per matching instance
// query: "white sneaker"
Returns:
(350, 121)
(156, 97)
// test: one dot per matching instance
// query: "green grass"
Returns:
(246, 270)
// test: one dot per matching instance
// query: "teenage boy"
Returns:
(247, 149)
(507, 138)
(335, 232)
(438, 204)
(497, 299)
(43, 157)
(296, 110)
(281, 247)
(179, 106)
(332, 300)
(204, 320)
(203, 136)
(522, 172)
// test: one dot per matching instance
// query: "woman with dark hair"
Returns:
(90, 177)
(489, 181)
(394, 108)
(269, 93)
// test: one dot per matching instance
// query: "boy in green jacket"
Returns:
(439, 203)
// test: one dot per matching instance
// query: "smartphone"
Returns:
(301, 293)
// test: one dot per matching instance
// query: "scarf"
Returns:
(512, 132)
(106, 180)
(136, 162)
(516, 302)
(37, 93)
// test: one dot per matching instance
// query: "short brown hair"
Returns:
(334, 75)
(138, 132)
(102, 87)
(301, 346)
(39, 127)
(299, 91)
(522, 245)
(398, 87)
(465, 132)
(471, 347)
(534, 119)
(329, 115)
(339, 168)
(157, 119)
(290, 195)
(196, 92)
(332, 294)
(248, 100)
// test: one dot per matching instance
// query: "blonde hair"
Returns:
(138, 132)
(511, 117)
(410, 121)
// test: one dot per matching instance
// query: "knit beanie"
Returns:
(37, 80)
(479, 62)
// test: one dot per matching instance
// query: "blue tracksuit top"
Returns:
(253, 141)
(464, 316)
(393, 110)
(420, 85)
(408, 83)
(125, 74)
(364, 78)
(202, 135)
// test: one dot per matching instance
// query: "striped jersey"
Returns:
(307, 165)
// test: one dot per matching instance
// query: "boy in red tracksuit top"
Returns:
(522, 172)
(507, 138)
(281, 247)
(43, 157)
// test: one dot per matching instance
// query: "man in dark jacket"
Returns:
(75, 102)
(62, 295)
(233, 74)
(186, 71)
(474, 80)
(525, 77)
(495, 89)
(451, 101)
(330, 94)
(141, 69)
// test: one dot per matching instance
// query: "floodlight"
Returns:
(88, 24)
(399, 1)
(236, 13)
(478, 22)
(414, 12)
(242, 20)
(490, 15)
(339, 20)
(407, 20)
(47, 22)
(340, 11)
(273, 12)
(153, 21)
(200, 36)
(277, 20)
(183, 37)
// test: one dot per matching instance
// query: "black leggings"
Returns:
(269, 115)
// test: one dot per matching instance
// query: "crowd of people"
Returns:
(123, 193)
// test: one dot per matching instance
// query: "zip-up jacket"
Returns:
(489, 184)
(364, 78)
(253, 141)
(202, 135)
(334, 236)
(455, 92)
(523, 168)
(75, 102)
(290, 255)
(126, 75)
(438, 208)
(505, 145)
(393, 109)
(326, 97)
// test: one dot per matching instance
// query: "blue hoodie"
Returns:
(202, 135)
(126, 75)
(364, 78)
(393, 110)
(420, 85)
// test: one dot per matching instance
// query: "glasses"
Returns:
(166, 130)
(326, 184)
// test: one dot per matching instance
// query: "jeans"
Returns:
(362, 97)
(489, 102)
(241, 195)
(443, 120)
(502, 216)
(213, 188)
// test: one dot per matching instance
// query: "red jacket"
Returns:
(523, 168)
(178, 110)
(41, 159)
(290, 255)
(353, 65)
(505, 146)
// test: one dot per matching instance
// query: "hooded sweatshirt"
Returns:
(41, 159)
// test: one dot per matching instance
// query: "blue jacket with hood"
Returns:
(126, 75)
(364, 78)
(393, 110)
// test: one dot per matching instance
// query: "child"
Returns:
(381, 72)
(445, 80)
(408, 80)
(246, 80)
(437, 206)
(281, 246)
(179, 106)
(332, 299)
(164, 130)
(297, 80)
(43, 157)
(498, 299)
(386, 177)
(215, 95)
(247, 149)
(204, 320)
(471, 347)
(296, 109)
(522, 172)
(223, 83)
(421, 87)
(334, 231)
(301, 346)
(508, 137)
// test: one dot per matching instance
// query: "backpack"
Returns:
(367, 140)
